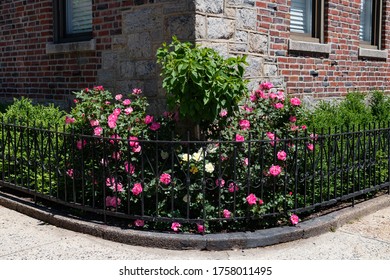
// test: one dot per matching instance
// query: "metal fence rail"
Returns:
(222, 184)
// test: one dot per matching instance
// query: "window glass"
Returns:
(366, 20)
(301, 16)
(78, 16)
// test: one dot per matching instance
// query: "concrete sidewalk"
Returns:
(25, 238)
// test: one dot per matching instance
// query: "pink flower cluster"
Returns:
(137, 189)
(134, 144)
(113, 201)
(251, 199)
(165, 178)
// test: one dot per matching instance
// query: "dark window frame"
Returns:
(318, 18)
(60, 34)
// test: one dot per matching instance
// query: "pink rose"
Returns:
(294, 219)
(293, 119)
(114, 139)
(148, 119)
(70, 173)
(314, 137)
(304, 127)
(111, 124)
(112, 117)
(251, 199)
(275, 170)
(98, 88)
(240, 138)
(262, 94)
(69, 120)
(245, 124)
(94, 123)
(117, 187)
(280, 95)
(129, 168)
(110, 181)
(175, 226)
(118, 97)
(233, 187)
(137, 189)
(295, 101)
(165, 178)
(226, 213)
(294, 127)
(220, 182)
(253, 97)
(107, 102)
(113, 201)
(223, 113)
(261, 202)
(97, 131)
(137, 91)
(116, 155)
(279, 106)
(128, 111)
(139, 223)
(117, 112)
(80, 144)
(282, 155)
(133, 141)
(310, 147)
(246, 161)
(200, 228)
(266, 86)
(272, 137)
(155, 126)
(126, 102)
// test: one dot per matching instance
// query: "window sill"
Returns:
(308, 47)
(84, 46)
(371, 53)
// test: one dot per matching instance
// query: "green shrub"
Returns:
(380, 107)
(199, 82)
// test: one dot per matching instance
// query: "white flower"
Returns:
(164, 155)
(198, 155)
(185, 157)
(209, 167)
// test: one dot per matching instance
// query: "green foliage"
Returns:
(199, 82)
(380, 107)
(24, 112)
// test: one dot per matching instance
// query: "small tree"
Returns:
(199, 82)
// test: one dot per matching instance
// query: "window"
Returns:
(307, 19)
(73, 20)
(370, 23)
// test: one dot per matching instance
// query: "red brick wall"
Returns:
(25, 68)
(351, 73)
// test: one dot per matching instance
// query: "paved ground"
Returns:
(25, 238)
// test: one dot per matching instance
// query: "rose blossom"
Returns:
(223, 113)
(137, 189)
(134, 144)
(97, 131)
(233, 187)
(69, 120)
(220, 182)
(226, 213)
(266, 86)
(295, 101)
(294, 219)
(251, 199)
(304, 127)
(155, 126)
(69, 172)
(129, 168)
(148, 119)
(200, 228)
(116, 155)
(128, 111)
(111, 124)
(293, 119)
(118, 97)
(275, 170)
(310, 147)
(117, 112)
(282, 155)
(245, 124)
(165, 178)
(261, 202)
(279, 106)
(240, 138)
(114, 139)
(126, 102)
(80, 144)
(253, 97)
(98, 88)
(137, 91)
(246, 161)
(113, 201)
(117, 187)
(175, 226)
(94, 123)
(139, 223)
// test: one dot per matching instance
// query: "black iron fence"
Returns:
(218, 185)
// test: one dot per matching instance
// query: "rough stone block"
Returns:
(209, 6)
(258, 43)
(182, 26)
(255, 67)
(220, 28)
(145, 69)
(141, 18)
(139, 45)
(270, 70)
(247, 18)
(200, 27)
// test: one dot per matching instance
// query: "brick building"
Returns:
(312, 48)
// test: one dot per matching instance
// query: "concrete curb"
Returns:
(215, 242)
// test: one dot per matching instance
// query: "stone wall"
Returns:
(231, 27)
(130, 61)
